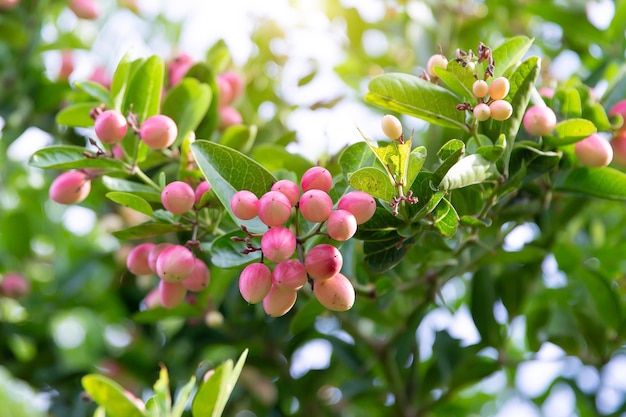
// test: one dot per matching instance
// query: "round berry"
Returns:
(245, 205)
(224, 91)
(158, 132)
(137, 260)
(171, 294)
(341, 225)
(619, 108)
(278, 244)
(482, 112)
(361, 204)
(499, 88)
(289, 188)
(480, 88)
(501, 110)
(110, 126)
(618, 143)
(323, 261)
(236, 82)
(178, 197)
(199, 277)
(315, 205)
(436, 60)
(175, 263)
(255, 282)
(335, 293)
(201, 189)
(392, 128)
(70, 187)
(229, 116)
(178, 68)
(539, 120)
(278, 303)
(318, 178)
(274, 208)
(594, 151)
(14, 285)
(289, 275)
(85, 9)
(154, 255)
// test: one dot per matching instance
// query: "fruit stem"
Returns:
(135, 170)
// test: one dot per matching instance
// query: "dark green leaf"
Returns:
(385, 254)
(145, 230)
(483, 298)
(446, 220)
(603, 182)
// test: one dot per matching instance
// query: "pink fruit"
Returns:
(236, 81)
(201, 189)
(224, 92)
(289, 275)
(482, 112)
(70, 187)
(255, 282)
(499, 88)
(175, 263)
(436, 60)
(278, 303)
(178, 197)
(14, 285)
(278, 244)
(392, 128)
(501, 110)
(245, 205)
(335, 293)
(100, 76)
(178, 68)
(315, 205)
(8, 4)
(67, 65)
(594, 151)
(618, 143)
(118, 152)
(137, 260)
(317, 178)
(341, 225)
(289, 188)
(619, 108)
(85, 9)
(323, 261)
(152, 299)
(111, 126)
(229, 116)
(546, 92)
(539, 120)
(274, 208)
(171, 294)
(360, 204)
(154, 255)
(480, 88)
(158, 132)
(199, 277)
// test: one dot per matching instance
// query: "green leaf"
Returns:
(446, 219)
(417, 157)
(473, 169)
(605, 182)
(450, 148)
(570, 131)
(383, 255)
(508, 54)
(97, 91)
(182, 398)
(414, 96)
(483, 298)
(354, 157)
(187, 103)
(161, 401)
(143, 96)
(229, 171)
(605, 300)
(226, 253)
(131, 201)
(373, 181)
(239, 137)
(145, 230)
(110, 395)
(471, 221)
(572, 105)
(380, 226)
(275, 157)
(458, 78)
(595, 113)
(119, 81)
(144, 191)
(305, 317)
(72, 157)
(393, 156)
(157, 314)
(76, 115)
(218, 56)
(493, 152)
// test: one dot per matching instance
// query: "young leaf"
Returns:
(131, 201)
(97, 91)
(509, 53)
(71, 157)
(373, 181)
(417, 157)
(450, 148)
(187, 104)
(161, 402)
(76, 115)
(110, 395)
(414, 96)
(143, 96)
(473, 169)
(458, 78)
(570, 131)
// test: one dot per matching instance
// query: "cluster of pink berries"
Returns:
(491, 103)
(321, 265)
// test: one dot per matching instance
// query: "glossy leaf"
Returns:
(373, 181)
(72, 157)
(146, 230)
(605, 182)
(509, 53)
(354, 157)
(143, 96)
(473, 169)
(131, 201)
(76, 115)
(110, 395)
(187, 103)
(445, 219)
(97, 91)
(570, 131)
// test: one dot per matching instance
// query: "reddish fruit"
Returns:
(392, 128)
(85, 9)
(178, 197)
(278, 303)
(480, 88)
(158, 132)
(274, 208)
(289, 275)
(245, 205)
(316, 178)
(594, 151)
(341, 225)
(171, 294)
(178, 68)
(323, 261)
(118, 152)
(501, 110)
(152, 299)
(618, 143)
(111, 126)
(360, 204)
(335, 293)
(137, 260)
(619, 108)
(154, 255)
(482, 112)
(199, 278)
(436, 60)
(8, 4)
(175, 263)
(546, 92)
(539, 120)
(14, 285)
(236, 81)
(100, 76)
(289, 188)
(229, 116)
(67, 65)
(201, 189)
(499, 88)
(255, 282)
(278, 244)
(70, 187)
(224, 92)
(315, 205)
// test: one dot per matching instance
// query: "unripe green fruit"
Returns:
(335, 293)
(361, 204)
(171, 294)
(278, 244)
(110, 126)
(199, 277)
(501, 110)
(594, 151)
(178, 197)
(175, 263)
(137, 260)
(274, 208)
(482, 112)
(341, 225)
(499, 88)
(318, 178)
(158, 132)
(323, 261)
(315, 206)
(480, 88)
(255, 282)
(289, 275)
(539, 120)
(436, 60)
(154, 255)
(245, 205)
(392, 128)
(289, 188)
(70, 187)
(277, 303)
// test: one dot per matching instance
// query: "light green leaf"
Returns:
(239, 137)
(417, 157)
(458, 78)
(97, 91)
(450, 148)
(605, 182)
(131, 201)
(183, 397)
(275, 157)
(76, 115)
(143, 96)
(572, 104)
(354, 157)
(373, 181)
(72, 157)
(570, 131)
(473, 169)
(161, 401)
(187, 104)
(508, 54)
(144, 191)
(146, 230)
(119, 81)
(110, 395)
(446, 219)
